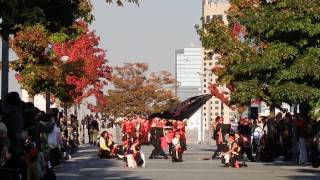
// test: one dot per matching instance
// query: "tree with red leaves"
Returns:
(91, 73)
(40, 69)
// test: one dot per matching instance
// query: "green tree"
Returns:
(137, 93)
(269, 50)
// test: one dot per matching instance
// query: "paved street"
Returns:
(85, 165)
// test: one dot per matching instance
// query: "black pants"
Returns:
(138, 159)
(104, 154)
(54, 156)
(248, 151)
(171, 148)
(176, 156)
(14, 168)
(157, 148)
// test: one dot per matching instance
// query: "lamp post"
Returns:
(64, 59)
(5, 64)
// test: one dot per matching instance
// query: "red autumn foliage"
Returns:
(93, 74)
(222, 96)
(236, 30)
(215, 92)
(216, 69)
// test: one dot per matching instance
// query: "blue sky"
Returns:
(147, 33)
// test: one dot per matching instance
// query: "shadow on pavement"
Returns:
(306, 172)
(299, 177)
(86, 165)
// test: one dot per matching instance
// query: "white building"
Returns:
(187, 72)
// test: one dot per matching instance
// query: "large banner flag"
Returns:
(185, 109)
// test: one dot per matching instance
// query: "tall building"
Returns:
(213, 107)
(187, 72)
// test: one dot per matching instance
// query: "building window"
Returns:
(204, 69)
(204, 85)
(204, 108)
(204, 91)
(205, 80)
(204, 115)
(210, 63)
(216, 102)
(216, 107)
(217, 114)
(204, 64)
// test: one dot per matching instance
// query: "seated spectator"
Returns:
(104, 150)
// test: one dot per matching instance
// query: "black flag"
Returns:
(185, 109)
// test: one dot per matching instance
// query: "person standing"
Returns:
(302, 131)
(219, 137)
(94, 129)
(178, 148)
(14, 122)
(88, 124)
(245, 138)
(155, 135)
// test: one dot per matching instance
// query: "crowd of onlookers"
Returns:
(32, 142)
(290, 138)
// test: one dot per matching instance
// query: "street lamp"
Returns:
(64, 59)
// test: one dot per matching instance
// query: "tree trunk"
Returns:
(5, 65)
(47, 101)
(295, 108)
(272, 111)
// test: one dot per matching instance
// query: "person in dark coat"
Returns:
(155, 135)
